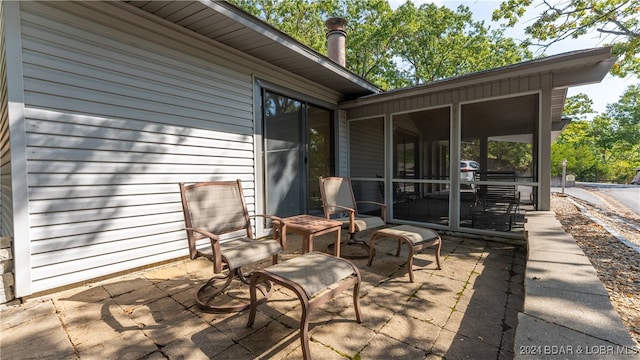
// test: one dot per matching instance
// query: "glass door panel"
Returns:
(366, 161)
(319, 133)
(284, 155)
(298, 149)
(498, 156)
(421, 166)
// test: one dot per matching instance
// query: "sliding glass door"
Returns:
(298, 149)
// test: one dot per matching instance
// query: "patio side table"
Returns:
(309, 226)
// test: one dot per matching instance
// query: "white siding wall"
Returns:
(6, 223)
(490, 89)
(115, 118)
(342, 168)
(112, 127)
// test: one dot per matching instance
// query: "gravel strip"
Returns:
(617, 265)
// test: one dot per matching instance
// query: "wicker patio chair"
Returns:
(217, 211)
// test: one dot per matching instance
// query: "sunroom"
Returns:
(405, 146)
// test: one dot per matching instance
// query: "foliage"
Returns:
(501, 155)
(413, 45)
(394, 49)
(439, 43)
(617, 21)
(582, 158)
(606, 148)
(578, 107)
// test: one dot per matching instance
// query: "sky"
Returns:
(606, 92)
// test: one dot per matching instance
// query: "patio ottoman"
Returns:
(315, 278)
(416, 238)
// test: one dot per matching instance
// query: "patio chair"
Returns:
(339, 200)
(217, 211)
(496, 205)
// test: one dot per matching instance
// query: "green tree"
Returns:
(618, 22)
(371, 34)
(577, 107)
(617, 134)
(606, 148)
(626, 115)
(398, 48)
(575, 142)
(300, 19)
(439, 43)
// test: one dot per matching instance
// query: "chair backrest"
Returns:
(506, 193)
(217, 207)
(336, 191)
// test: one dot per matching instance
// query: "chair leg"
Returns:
(352, 240)
(410, 262)
(304, 331)
(356, 300)
(254, 303)
(438, 245)
(372, 248)
(206, 301)
(304, 302)
(217, 288)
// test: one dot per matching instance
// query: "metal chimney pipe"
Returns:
(336, 40)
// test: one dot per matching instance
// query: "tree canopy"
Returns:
(395, 48)
(606, 148)
(419, 44)
(617, 21)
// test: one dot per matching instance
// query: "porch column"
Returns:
(544, 146)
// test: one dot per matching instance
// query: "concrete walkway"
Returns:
(469, 309)
(582, 194)
(567, 312)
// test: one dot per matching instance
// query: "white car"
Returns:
(468, 170)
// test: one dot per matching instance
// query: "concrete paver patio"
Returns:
(469, 309)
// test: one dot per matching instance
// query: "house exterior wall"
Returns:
(342, 168)
(5, 171)
(13, 154)
(484, 91)
(118, 108)
(6, 251)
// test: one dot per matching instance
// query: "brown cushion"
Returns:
(313, 271)
(413, 233)
(244, 251)
(368, 222)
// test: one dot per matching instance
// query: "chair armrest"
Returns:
(215, 246)
(279, 228)
(372, 203)
(346, 209)
(343, 209)
(206, 233)
(383, 208)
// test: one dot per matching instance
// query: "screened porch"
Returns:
(411, 160)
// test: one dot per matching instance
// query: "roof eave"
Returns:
(569, 69)
(279, 37)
